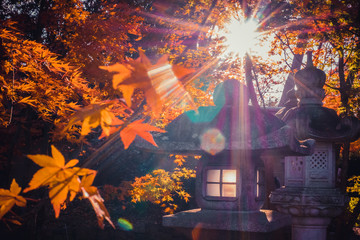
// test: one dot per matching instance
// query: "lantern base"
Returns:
(244, 221)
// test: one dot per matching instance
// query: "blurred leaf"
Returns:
(8, 198)
(159, 82)
(92, 194)
(93, 116)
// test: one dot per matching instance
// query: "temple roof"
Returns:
(229, 125)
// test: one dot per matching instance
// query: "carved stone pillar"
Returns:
(309, 195)
(317, 170)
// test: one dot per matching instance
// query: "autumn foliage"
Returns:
(160, 187)
(64, 182)
(84, 74)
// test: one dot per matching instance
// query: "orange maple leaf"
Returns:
(62, 179)
(159, 82)
(92, 194)
(130, 76)
(8, 198)
(137, 127)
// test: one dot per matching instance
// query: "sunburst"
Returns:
(241, 36)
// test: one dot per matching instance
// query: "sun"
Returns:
(241, 36)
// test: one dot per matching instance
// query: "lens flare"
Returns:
(124, 224)
(212, 141)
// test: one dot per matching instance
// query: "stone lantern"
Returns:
(224, 185)
(309, 194)
(238, 143)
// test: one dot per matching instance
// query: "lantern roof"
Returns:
(309, 118)
(232, 124)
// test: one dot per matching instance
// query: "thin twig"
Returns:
(202, 24)
(284, 50)
(12, 97)
(286, 44)
(335, 88)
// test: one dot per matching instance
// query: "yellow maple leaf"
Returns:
(62, 179)
(92, 194)
(160, 82)
(115, 125)
(137, 127)
(91, 117)
(8, 198)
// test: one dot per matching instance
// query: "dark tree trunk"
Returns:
(249, 81)
(289, 84)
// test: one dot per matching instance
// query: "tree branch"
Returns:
(198, 32)
(335, 88)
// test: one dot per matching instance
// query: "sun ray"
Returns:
(187, 80)
(186, 25)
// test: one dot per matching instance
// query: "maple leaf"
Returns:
(115, 122)
(137, 127)
(62, 179)
(128, 77)
(92, 116)
(159, 82)
(8, 198)
(92, 194)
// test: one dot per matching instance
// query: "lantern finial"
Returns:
(309, 62)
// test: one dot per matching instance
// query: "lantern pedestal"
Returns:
(309, 228)
(311, 209)
(242, 221)
(309, 194)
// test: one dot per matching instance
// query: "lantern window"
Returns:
(221, 183)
